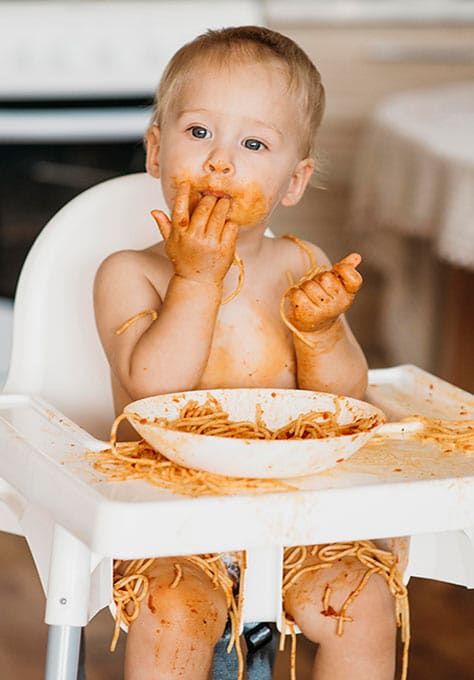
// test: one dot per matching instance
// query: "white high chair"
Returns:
(75, 523)
(55, 354)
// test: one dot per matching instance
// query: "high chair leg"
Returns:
(67, 604)
(62, 657)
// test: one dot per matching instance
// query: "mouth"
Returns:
(218, 194)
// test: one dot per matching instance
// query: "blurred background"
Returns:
(394, 181)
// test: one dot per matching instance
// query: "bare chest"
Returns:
(251, 347)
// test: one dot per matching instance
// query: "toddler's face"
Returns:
(232, 132)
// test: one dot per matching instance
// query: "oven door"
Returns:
(50, 152)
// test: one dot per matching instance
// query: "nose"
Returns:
(215, 165)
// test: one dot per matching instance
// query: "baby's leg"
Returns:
(367, 647)
(177, 628)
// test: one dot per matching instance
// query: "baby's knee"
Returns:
(373, 610)
(370, 614)
(195, 611)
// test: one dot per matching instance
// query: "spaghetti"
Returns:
(313, 271)
(178, 577)
(136, 460)
(131, 586)
(147, 312)
(239, 263)
(215, 567)
(129, 589)
(449, 434)
(154, 314)
(210, 419)
(127, 461)
(375, 561)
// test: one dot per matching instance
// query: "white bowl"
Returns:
(254, 458)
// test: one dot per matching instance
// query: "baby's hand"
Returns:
(317, 303)
(200, 245)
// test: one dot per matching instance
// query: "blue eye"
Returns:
(199, 132)
(254, 145)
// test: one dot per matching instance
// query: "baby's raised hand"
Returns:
(201, 244)
(316, 303)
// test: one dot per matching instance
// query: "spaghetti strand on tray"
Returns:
(126, 461)
(138, 460)
(449, 434)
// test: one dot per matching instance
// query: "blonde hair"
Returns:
(225, 46)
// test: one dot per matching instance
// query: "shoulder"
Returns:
(298, 255)
(321, 258)
(127, 283)
(127, 261)
(128, 266)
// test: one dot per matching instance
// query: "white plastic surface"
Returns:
(68, 596)
(405, 486)
(252, 457)
(56, 351)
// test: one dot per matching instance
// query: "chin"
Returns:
(246, 218)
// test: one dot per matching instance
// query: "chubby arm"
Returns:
(171, 353)
(336, 363)
(329, 357)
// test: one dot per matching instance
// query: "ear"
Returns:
(152, 150)
(298, 182)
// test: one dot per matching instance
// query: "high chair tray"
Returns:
(398, 487)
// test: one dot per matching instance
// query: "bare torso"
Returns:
(251, 346)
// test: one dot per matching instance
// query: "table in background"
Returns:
(414, 199)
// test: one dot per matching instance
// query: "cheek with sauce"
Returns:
(249, 203)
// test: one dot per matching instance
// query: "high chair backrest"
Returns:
(56, 351)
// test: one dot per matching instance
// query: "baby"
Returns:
(230, 140)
